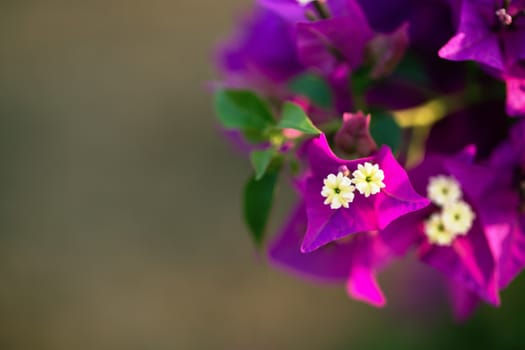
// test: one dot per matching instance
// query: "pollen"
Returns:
(368, 179)
(458, 217)
(338, 191)
(437, 232)
(443, 190)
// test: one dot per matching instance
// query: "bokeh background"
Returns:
(120, 218)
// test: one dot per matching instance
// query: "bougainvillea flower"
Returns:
(510, 260)
(354, 260)
(383, 193)
(400, 90)
(471, 259)
(476, 38)
(246, 56)
(422, 17)
(506, 226)
(323, 44)
(509, 159)
(492, 32)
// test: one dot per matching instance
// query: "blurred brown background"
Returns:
(119, 199)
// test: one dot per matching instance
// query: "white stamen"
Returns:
(458, 217)
(443, 190)
(338, 191)
(368, 179)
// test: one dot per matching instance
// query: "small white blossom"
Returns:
(436, 231)
(338, 191)
(368, 179)
(458, 217)
(443, 190)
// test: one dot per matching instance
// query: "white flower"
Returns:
(443, 190)
(338, 191)
(436, 231)
(458, 217)
(368, 179)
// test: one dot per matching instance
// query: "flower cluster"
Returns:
(396, 137)
(338, 189)
(455, 217)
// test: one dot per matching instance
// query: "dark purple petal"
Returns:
(290, 10)
(406, 232)
(364, 214)
(355, 260)
(329, 263)
(247, 54)
(323, 161)
(468, 262)
(512, 258)
(478, 261)
(398, 197)
(474, 39)
(475, 180)
(323, 44)
(326, 225)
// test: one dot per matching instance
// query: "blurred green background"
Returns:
(120, 218)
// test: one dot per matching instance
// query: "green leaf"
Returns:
(360, 83)
(242, 109)
(258, 199)
(260, 161)
(361, 80)
(293, 117)
(385, 130)
(314, 88)
(255, 136)
(412, 69)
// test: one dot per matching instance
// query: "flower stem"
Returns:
(404, 149)
(321, 9)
